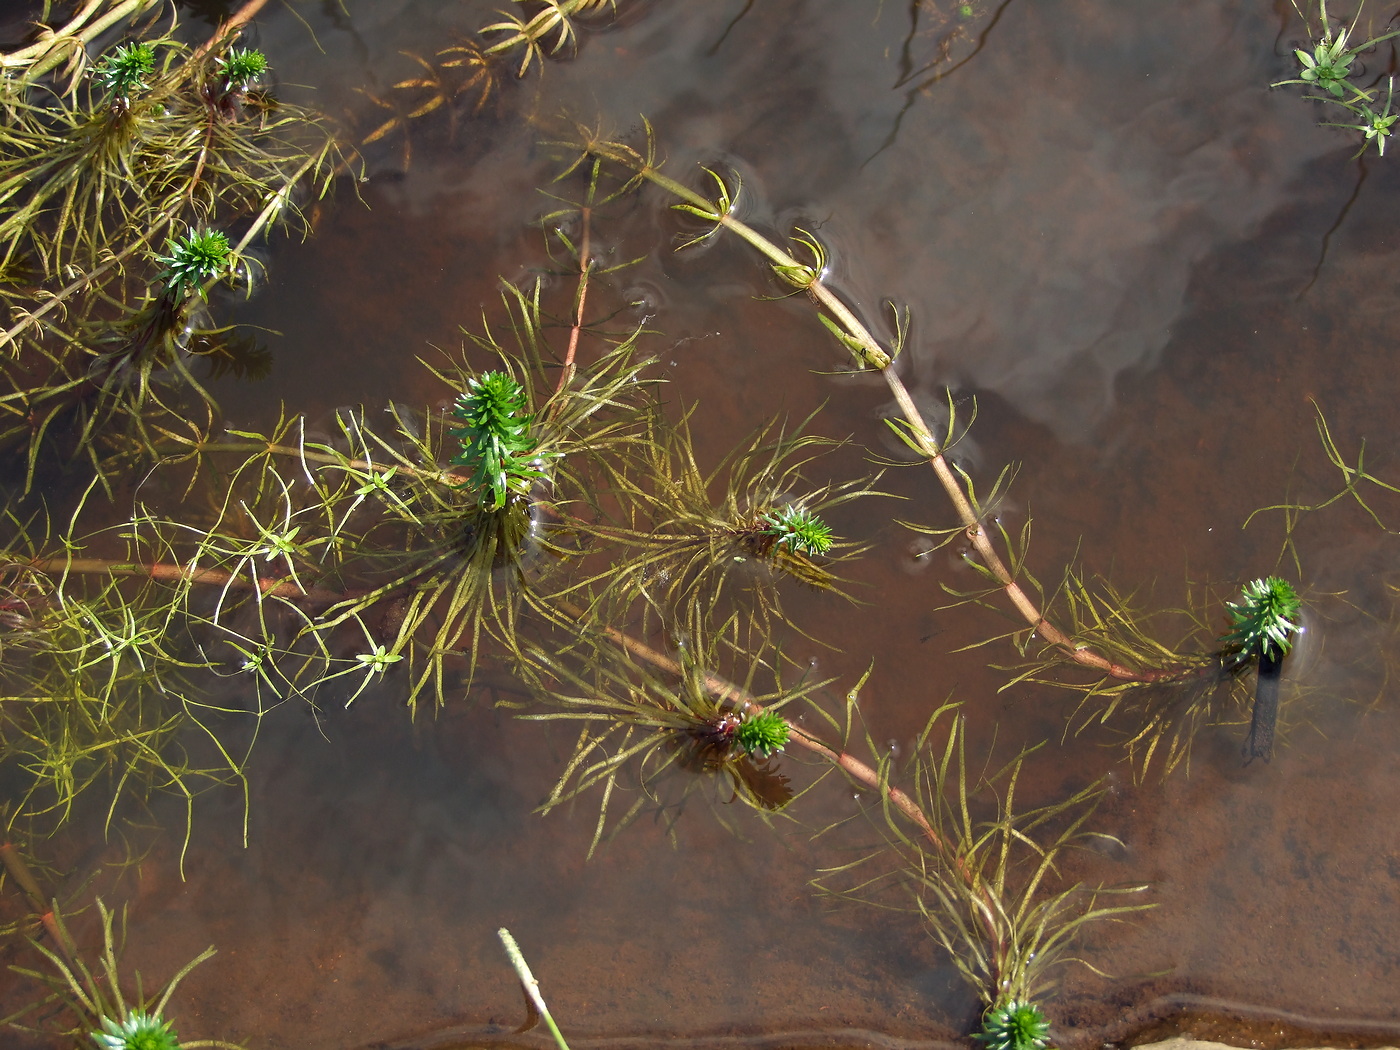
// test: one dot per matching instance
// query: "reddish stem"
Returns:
(585, 268)
(236, 21)
(24, 878)
(272, 586)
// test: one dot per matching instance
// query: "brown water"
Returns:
(1143, 264)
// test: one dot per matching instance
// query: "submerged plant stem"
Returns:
(868, 349)
(726, 690)
(24, 878)
(566, 374)
(271, 586)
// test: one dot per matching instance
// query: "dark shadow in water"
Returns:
(733, 22)
(1362, 172)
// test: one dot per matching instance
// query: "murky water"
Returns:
(1146, 267)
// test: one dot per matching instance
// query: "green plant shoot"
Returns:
(1376, 127)
(123, 72)
(240, 68)
(194, 260)
(497, 444)
(799, 530)
(1264, 619)
(138, 1031)
(1014, 1025)
(763, 735)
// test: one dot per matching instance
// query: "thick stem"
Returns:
(874, 356)
(236, 22)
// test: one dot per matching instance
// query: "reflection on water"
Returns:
(1104, 225)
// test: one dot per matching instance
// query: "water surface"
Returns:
(1144, 265)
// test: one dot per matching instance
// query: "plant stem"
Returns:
(585, 268)
(24, 878)
(271, 586)
(235, 22)
(875, 356)
(529, 984)
(51, 49)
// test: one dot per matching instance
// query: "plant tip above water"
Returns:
(763, 735)
(241, 67)
(138, 1031)
(124, 70)
(496, 440)
(195, 259)
(799, 530)
(1265, 618)
(1014, 1025)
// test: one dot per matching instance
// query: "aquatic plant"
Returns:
(1375, 127)
(498, 447)
(645, 716)
(530, 34)
(692, 545)
(1014, 1025)
(138, 1030)
(240, 68)
(194, 260)
(106, 1017)
(92, 181)
(124, 70)
(1264, 621)
(462, 69)
(1261, 629)
(799, 530)
(984, 887)
(1328, 67)
(911, 428)
(304, 565)
(763, 735)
